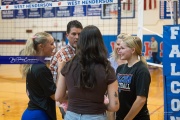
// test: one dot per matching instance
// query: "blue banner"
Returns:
(21, 59)
(171, 71)
(48, 12)
(79, 11)
(7, 14)
(63, 11)
(20, 13)
(93, 10)
(34, 12)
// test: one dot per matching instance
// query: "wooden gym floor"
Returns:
(13, 99)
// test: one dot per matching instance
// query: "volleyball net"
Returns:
(21, 19)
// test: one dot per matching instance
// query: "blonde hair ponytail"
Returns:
(31, 49)
(142, 58)
(27, 51)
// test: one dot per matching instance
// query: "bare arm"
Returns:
(113, 104)
(60, 94)
(136, 107)
(60, 66)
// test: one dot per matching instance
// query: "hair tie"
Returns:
(34, 37)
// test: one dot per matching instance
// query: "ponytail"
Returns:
(31, 49)
(27, 51)
(142, 58)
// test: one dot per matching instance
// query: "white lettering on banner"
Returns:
(174, 118)
(174, 31)
(56, 4)
(73, 3)
(174, 85)
(21, 6)
(175, 50)
(88, 2)
(174, 109)
(173, 72)
(34, 5)
(7, 12)
(175, 105)
(40, 5)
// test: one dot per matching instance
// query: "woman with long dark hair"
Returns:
(87, 77)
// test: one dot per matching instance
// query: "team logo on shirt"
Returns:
(124, 81)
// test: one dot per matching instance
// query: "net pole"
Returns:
(175, 9)
(171, 11)
(140, 18)
(119, 18)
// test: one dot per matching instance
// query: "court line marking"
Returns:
(156, 109)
